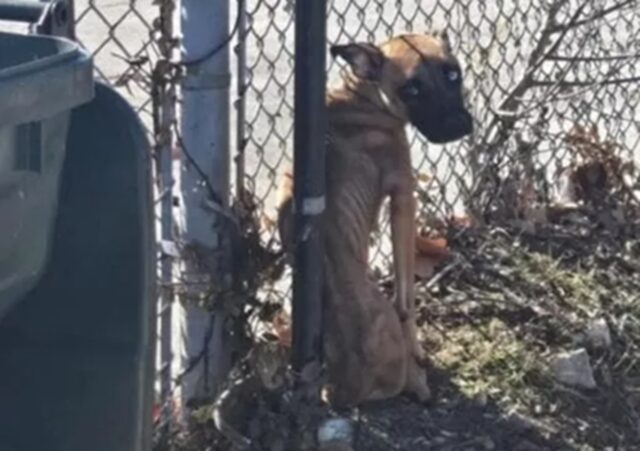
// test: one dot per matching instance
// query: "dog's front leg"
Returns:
(403, 230)
(403, 238)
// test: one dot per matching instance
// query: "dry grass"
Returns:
(492, 319)
(512, 301)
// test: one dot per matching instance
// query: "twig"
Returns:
(613, 70)
(539, 54)
(196, 166)
(445, 271)
(582, 83)
(194, 361)
(221, 45)
(593, 18)
(163, 194)
(561, 83)
(538, 57)
(593, 59)
(555, 86)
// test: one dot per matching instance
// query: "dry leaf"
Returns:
(430, 252)
(282, 329)
(462, 222)
(423, 177)
(432, 247)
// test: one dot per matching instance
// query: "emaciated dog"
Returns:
(371, 347)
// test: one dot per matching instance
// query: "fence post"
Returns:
(309, 182)
(240, 101)
(204, 177)
(164, 97)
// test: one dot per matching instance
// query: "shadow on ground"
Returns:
(493, 320)
(453, 422)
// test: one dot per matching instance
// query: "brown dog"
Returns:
(371, 349)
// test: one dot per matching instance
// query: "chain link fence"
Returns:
(534, 71)
(122, 38)
(552, 85)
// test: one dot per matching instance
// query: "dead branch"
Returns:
(593, 59)
(597, 16)
(552, 36)
(582, 83)
(539, 55)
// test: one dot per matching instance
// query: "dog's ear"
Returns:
(366, 60)
(443, 36)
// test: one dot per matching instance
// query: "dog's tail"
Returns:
(285, 186)
(284, 207)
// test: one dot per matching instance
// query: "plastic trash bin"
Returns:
(77, 352)
(41, 80)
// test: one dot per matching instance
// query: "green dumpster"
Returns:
(77, 258)
(41, 80)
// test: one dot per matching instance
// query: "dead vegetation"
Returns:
(497, 316)
(513, 302)
(532, 321)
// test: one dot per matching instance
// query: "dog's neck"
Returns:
(363, 104)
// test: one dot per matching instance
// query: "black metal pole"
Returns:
(309, 180)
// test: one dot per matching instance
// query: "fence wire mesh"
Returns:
(534, 72)
(123, 40)
(551, 85)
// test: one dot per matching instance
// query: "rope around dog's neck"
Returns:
(350, 79)
(386, 103)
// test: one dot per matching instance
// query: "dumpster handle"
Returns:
(51, 17)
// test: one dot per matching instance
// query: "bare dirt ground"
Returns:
(494, 319)
(511, 302)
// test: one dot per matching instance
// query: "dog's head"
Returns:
(418, 79)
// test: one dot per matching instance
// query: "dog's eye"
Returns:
(452, 75)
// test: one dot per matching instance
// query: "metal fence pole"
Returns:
(309, 182)
(71, 14)
(241, 102)
(204, 137)
(164, 96)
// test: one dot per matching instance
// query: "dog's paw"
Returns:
(423, 394)
(418, 388)
(419, 354)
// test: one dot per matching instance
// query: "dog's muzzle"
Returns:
(445, 127)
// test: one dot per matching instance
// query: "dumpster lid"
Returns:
(41, 76)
